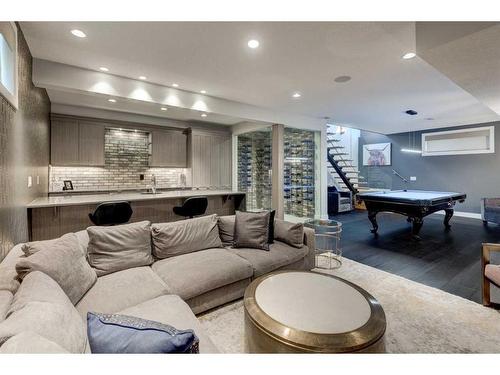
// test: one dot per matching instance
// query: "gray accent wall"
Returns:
(24, 151)
(476, 175)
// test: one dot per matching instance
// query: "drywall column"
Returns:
(278, 162)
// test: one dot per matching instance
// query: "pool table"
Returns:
(415, 204)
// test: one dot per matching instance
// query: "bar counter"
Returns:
(52, 216)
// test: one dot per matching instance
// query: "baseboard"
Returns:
(470, 215)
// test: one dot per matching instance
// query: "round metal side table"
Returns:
(328, 245)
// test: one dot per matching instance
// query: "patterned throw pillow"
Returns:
(115, 334)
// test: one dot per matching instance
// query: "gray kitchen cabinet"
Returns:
(91, 144)
(169, 149)
(64, 142)
(211, 161)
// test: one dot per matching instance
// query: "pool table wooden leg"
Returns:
(447, 217)
(372, 216)
(417, 224)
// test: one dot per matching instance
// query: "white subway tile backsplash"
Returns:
(126, 158)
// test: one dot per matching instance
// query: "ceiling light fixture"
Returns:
(409, 55)
(296, 95)
(163, 108)
(203, 92)
(411, 112)
(253, 43)
(175, 85)
(342, 79)
(142, 77)
(103, 69)
(112, 100)
(411, 150)
(203, 115)
(78, 33)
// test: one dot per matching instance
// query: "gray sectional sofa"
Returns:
(36, 316)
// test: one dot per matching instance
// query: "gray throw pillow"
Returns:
(226, 229)
(290, 233)
(28, 342)
(30, 248)
(185, 236)
(252, 229)
(64, 262)
(119, 247)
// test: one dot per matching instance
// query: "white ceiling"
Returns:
(293, 56)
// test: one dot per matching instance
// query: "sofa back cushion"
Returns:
(30, 343)
(5, 302)
(290, 233)
(185, 236)
(64, 262)
(119, 247)
(57, 244)
(226, 229)
(9, 279)
(42, 307)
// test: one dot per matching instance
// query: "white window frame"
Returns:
(12, 98)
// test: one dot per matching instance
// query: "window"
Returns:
(8, 62)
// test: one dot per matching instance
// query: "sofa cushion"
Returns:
(9, 280)
(290, 233)
(59, 323)
(192, 274)
(172, 310)
(5, 302)
(279, 255)
(41, 306)
(251, 230)
(116, 291)
(125, 334)
(185, 236)
(119, 247)
(30, 343)
(65, 263)
(226, 229)
(68, 239)
(39, 287)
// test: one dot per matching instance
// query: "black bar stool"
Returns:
(192, 207)
(111, 213)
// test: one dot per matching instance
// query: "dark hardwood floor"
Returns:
(447, 260)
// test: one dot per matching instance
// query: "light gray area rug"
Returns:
(420, 319)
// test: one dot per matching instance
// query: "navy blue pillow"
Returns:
(114, 334)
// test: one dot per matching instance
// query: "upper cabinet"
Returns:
(168, 149)
(211, 160)
(75, 142)
(64, 142)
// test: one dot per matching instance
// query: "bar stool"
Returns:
(111, 213)
(192, 207)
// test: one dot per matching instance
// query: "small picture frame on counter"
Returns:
(68, 185)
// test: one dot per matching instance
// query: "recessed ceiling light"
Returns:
(203, 92)
(163, 108)
(296, 95)
(342, 79)
(429, 118)
(203, 115)
(112, 100)
(103, 69)
(253, 43)
(142, 77)
(78, 33)
(409, 55)
(411, 112)
(175, 85)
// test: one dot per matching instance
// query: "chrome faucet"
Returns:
(153, 183)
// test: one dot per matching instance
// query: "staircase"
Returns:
(345, 173)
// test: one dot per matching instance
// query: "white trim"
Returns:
(13, 98)
(470, 215)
